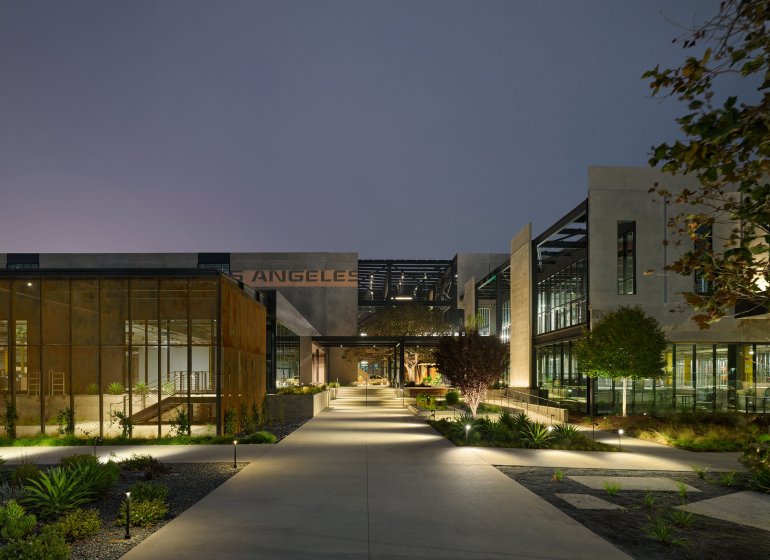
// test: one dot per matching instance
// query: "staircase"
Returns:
(158, 399)
(362, 395)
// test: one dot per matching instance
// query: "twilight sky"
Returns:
(398, 129)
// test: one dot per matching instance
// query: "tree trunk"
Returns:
(625, 384)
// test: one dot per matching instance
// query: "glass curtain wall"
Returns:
(287, 357)
(561, 299)
(138, 348)
(557, 375)
(698, 378)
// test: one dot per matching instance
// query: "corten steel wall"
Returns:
(244, 351)
(67, 338)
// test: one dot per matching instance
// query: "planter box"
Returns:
(284, 407)
(430, 391)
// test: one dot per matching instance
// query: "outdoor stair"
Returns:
(150, 413)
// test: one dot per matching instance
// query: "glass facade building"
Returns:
(139, 344)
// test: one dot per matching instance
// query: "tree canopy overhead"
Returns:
(727, 146)
(402, 320)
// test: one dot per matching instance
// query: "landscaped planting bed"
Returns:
(651, 523)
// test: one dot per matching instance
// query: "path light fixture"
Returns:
(235, 453)
(620, 433)
(593, 430)
(467, 431)
(128, 514)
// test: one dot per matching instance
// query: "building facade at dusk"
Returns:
(147, 335)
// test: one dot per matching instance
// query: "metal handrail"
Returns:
(524, 398)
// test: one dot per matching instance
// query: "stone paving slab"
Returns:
(651, 483)
(586, 501)
(745, 508)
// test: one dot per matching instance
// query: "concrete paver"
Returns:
(372, 482)
(651, 483)
(745, 508)
(586, 501)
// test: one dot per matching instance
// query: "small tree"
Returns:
(472, 363)
(625, 344)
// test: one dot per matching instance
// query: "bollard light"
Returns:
(128, 514)
(235, 453)
(467, 431)
(620, 433)
(593, 430)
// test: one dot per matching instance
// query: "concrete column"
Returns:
(521, 308)
(305, 360)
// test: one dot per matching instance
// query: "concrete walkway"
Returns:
(371, 481)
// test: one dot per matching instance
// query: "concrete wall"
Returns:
(119, 260)
(285, 407)
(521, 308)
(341, 369)
(621, 194)
(331, 310)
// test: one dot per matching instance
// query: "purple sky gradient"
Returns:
(398, 129)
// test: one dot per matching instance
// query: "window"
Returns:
(626, 258)
(22, 260)
(216, 261)
(703, 244)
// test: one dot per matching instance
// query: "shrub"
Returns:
(180, 424)
(72, 461)
(125, 423)
(56, 492)
(660, 529)
(567, 433)
(79, 524)
(48, 545)
(612, 488)
(15, 522)
(66, 421)
(757, 460)
(143, 513)
(100, 477)
(229, 422)
(92, 389)
(10, 491)
(144, 491)
(452, 398)
(558, 475)
(146, 463)
(682, 518)
(259, 437)
(495, 431)
(535, 436)
(142, 389)
(10, 418)
(24, 473)
(116, 388)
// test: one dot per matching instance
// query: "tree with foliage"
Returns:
(626, 343)
(401, 320)
(472, 363)
(727, 149)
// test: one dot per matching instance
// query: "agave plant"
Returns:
(57, 491)
(495, 431)
(567, 432)
(536, 436)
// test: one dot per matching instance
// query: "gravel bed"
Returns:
(705, 539)
(188, 483)
(282, 430)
